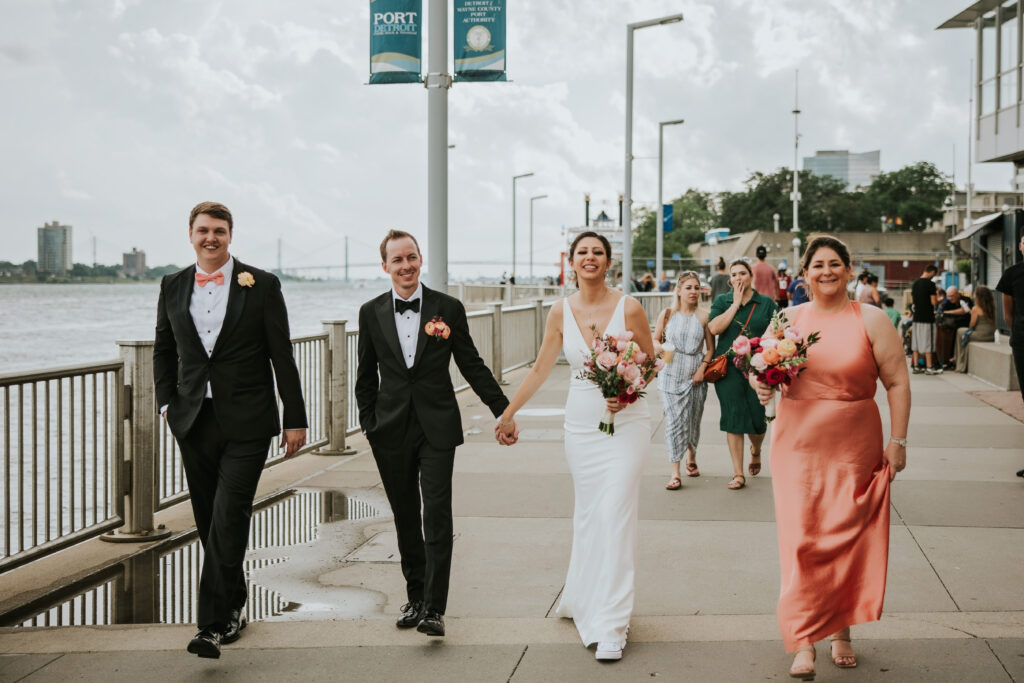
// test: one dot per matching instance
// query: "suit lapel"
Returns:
(428, 310)
(236, 304)
(386, 318)
(187, 284)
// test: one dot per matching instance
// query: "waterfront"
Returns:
(43, 326)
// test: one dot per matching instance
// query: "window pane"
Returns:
(988, 97)
(1008, 89)
(988, 50)
(1008, 47)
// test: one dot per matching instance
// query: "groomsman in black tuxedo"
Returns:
(221, 340)
(407, 339)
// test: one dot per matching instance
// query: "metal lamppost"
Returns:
(796, 256)
(627, 223)
(660, 229)
(532, 200)
(776, 217)
(514, 179)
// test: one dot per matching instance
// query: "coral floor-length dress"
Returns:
(830, 483)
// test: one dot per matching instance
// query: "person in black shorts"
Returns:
(924, 294)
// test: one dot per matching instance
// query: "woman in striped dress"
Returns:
(681, 383)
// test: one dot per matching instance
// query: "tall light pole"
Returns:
(627, 223)
(514, 179)
(775, 219)
(437, 81)
(532, 200)
(660, 229)
(796, 256)
(796, 150)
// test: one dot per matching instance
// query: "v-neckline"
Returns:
(575, 321)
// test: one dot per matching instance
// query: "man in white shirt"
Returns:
(221, 340)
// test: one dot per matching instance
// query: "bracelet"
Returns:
(901, 442)
(505, 424)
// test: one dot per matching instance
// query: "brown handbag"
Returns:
(719, 365)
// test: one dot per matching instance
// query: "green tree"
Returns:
(912, 196)
(823, 204)
(693, 214)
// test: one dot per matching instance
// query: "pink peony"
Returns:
(758, 362)
(631, 373)
(640, 357)
(793, 334)
(769, 343)
(607, 359)
(741, 346)
(659, 364)
(621, 345)
(627, 335)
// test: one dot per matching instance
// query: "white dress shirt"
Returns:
(208, 306)
(408, 325)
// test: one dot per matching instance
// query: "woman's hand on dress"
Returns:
(763, 391)
(895, 456)
(613, 405)
(698, 376)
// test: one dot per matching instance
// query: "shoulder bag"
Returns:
(719, 365)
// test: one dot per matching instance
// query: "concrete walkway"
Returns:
(707, 578)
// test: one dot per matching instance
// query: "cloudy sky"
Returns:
(117, 116)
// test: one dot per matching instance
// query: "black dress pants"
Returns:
(1018, 363)
(412, 472)
(222, 476)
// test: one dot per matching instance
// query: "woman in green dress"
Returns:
(740, 311)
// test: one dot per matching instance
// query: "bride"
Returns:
(598, 592)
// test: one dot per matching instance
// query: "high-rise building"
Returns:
(134, 263)
(54, 252)
(856, 170)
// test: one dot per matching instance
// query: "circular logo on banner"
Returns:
(478, 38)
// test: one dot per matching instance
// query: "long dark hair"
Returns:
(983, 297)
(831, 243)
(572, 250)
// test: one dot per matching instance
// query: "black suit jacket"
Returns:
(253, 338)
(385, 387)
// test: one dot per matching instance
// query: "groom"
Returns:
(221, 341)
(407, 407)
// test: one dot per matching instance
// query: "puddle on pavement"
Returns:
(159, 586)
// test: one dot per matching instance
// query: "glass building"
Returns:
(54, 248)
(856, 170)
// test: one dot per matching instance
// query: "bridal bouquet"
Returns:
(620, 370)
(775, 359)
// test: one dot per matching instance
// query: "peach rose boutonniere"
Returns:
(246, 279)
(437, 328)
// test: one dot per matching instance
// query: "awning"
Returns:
(966, 18)
(976, 225)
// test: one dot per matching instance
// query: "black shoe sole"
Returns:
(227, 640)
(430, 630)
(204, 650)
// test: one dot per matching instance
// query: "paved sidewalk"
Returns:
(707, 578)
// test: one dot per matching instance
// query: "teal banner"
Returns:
(479, 40)
(395, 41)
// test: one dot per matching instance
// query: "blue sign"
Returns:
(666, 224)
(677, 256)
(479, 40)
(650, 264)
(395, 27)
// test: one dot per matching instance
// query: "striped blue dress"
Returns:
(682, 402)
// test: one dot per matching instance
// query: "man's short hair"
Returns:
(930, 268)
(395, 235)
(761, 252)
(213, 210)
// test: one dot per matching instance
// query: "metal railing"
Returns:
(84, 450)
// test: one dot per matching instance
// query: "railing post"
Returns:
(509, 293)
(336, 379)
(538, 325)
(140, 446)
(461, 291)
(496, 351)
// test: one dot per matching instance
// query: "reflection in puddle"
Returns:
(161, 585)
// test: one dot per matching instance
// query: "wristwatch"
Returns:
(898, 441)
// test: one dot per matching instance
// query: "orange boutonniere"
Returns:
(438, 328)
(245, 279)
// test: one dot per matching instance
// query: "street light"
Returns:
(627, 237)
(796, 256)
(532, 200)
(514, 179)
(660, 229)
(776, 217)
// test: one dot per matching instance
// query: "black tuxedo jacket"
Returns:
(254, 336)
(386, 388)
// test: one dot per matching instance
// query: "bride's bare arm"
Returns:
(546, 359)
(636, 322)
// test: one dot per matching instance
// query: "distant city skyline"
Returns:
(53, 248)
(856, 169)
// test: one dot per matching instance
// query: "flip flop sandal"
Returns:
(738, 482)
(691, 469)
(674, 484)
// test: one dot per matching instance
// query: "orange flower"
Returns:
(786, 348)
(429, 328)
(771, 356)
(446, 332)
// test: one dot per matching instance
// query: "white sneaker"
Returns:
(608, 651)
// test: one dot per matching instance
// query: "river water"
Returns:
(44, 326)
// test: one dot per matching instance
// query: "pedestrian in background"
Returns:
(782, 297)
(684, 328)
(980, 328)
(720, 280)
(924, 295)
(766, 282)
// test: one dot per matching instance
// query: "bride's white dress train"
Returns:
(606, 470)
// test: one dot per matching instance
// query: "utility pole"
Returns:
(796, 151)
(346, 259)
(437, 82)
(94, 251)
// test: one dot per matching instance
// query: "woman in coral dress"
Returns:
(831, 466)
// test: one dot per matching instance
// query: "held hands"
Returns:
(292, 440)
(698, 376)
(895, 456)
(763, 391)
(506, 431)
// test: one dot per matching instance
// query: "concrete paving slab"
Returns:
(518, 495)
(962, 464)
(981, 568)
(431, 661)
(961, 503)
(17, 667)
(707, 498)
(922, 434)
(911, 583)
(1011, 655)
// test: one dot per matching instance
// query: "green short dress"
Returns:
(741, 411)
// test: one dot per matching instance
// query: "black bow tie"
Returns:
(403, 306)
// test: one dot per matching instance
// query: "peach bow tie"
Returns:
(203, 278)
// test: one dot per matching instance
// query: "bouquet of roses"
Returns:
(620, 370)
(775, 359)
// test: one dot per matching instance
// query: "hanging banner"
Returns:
(395, 40)
(479, 40)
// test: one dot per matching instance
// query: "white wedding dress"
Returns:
(606, 470)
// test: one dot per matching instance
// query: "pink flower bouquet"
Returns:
(775, 359)
(620, 370)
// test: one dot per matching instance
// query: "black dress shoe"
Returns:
(412, 613)
(206, 644)
(432, 623)
(236, 623)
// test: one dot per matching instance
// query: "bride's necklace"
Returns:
(593, 312)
